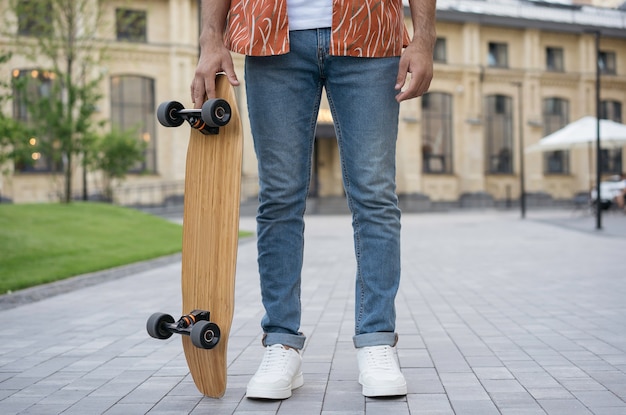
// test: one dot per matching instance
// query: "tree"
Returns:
(12, 145)
(115, 153)
(60, 38)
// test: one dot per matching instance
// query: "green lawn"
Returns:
(41, 243)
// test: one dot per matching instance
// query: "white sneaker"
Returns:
(380, 374)
(278, 374)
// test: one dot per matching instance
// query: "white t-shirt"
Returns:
(309, 14)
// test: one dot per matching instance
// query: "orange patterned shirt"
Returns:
(362, 28)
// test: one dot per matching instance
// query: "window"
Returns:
(131, 25)
(499, 131)
(611, 158)
(498, 55)
(554, 59)
(31, 89)
(555, 117)
(33, 18)
(611, 110)
(440, 52)
(437, 133)
(132, 108)
(606, 61)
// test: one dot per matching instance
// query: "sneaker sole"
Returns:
(379, 391)
(260, 393)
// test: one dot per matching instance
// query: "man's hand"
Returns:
(418, 61)
(213, 59)
(417, 58)
(214, 56)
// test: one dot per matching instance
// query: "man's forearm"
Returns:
(214, 57)
(214, 13)
(423, 17)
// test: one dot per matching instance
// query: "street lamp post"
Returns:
(596, 34)
(520, 109)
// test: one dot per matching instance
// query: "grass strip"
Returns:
(41, 243)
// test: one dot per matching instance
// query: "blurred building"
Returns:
(459, 145)
(615, 4)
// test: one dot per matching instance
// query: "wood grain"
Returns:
(210, 237)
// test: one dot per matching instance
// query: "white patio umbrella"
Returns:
(581, 133)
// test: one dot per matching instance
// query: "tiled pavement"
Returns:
(496, 315)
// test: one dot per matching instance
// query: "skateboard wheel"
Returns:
(216, 112)
(156, 325)
(205, 334)
(167, 114)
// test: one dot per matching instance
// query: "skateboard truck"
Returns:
(215, 113)
(197, 325)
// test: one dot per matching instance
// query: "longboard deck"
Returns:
(210, 239)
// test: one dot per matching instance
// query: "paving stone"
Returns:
(496, 315)
(429, 404)
(564, 407)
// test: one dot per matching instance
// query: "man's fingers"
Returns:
(203, 84)
(229, 70)
(402, 74)
(197, 93)
(202, 87)
(418, 63)
(418, 86)
(209, 88)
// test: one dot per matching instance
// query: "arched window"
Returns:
(34, 91)
(133, 108)
(499, 134)
(437, 133)
(555, 117)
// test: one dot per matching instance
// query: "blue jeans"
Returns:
(283, 94)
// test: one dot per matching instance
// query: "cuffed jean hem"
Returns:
(375, 339)
(290, 340)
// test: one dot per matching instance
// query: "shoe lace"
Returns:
(381, 358)
(274, 360)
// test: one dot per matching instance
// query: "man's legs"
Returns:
(283, 98)
(362, 98)
(283, 95)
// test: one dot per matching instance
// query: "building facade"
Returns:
(507, 73)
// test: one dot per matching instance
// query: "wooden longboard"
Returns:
(210, 237)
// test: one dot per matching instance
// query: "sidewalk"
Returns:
(496, 315)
